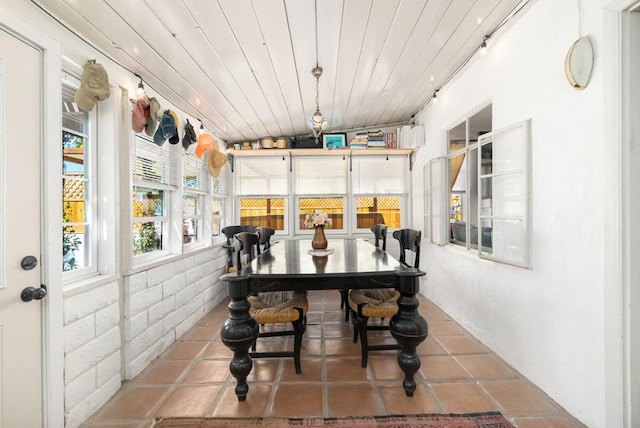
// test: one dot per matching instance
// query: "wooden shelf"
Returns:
(321, 152)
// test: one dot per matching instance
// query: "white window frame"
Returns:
(197, 170)
(346, 206)
(169, 171)
(219, 192)
(90, 188)
(521, 202)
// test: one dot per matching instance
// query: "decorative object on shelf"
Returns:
(317, 220)
(281, 143)
(334, 141)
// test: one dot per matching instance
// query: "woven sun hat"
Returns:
(215, 160)
(94, 86)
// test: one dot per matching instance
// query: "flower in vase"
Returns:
(316, 218)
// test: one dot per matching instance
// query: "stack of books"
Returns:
(376, 140)
(360, 141)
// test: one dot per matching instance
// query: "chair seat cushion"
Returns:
(277, 307)
(378, 303)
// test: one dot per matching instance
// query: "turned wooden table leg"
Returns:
(410, 329)
(238, 333)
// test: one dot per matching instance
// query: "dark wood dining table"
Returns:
(354, 263)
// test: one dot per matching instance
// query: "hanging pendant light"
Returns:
(317, 123)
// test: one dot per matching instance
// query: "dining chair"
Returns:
(229, 232)
(380, 233)
(381, 303)
(274, 307)
(265, 234)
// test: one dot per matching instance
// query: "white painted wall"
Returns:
(547, 322)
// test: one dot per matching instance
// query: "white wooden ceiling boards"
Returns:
(244, 67)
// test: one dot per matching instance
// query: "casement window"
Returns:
(79, 178)
(262, 188)
(504, 188)
(487, 175)
(379, 190)
(194, 188)
(154, 174)
(321, 184)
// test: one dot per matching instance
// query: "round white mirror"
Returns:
(579, 63)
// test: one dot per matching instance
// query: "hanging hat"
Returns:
(154, 110)
(189, 135)
(204, 144)
(140, 114)
(215, 159)
(175, 138)
(94, 86)
(166, 129)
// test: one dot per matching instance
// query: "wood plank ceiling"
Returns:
(244, 66)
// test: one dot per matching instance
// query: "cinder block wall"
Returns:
(113, 334)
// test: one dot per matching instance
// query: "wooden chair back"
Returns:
(265, 234)
(380, 232)
(409, 240)
(248, 248)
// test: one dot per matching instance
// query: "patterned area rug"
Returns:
(469, 420)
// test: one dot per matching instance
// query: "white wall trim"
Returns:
(615, 407)
(51, 260)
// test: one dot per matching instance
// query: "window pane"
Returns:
(480, 123)
(75, 184)
(148, 202)
(262, 176)
(504, 195)
(147, 237)
(321, 176)
(263, 212)
(189, 230)
(506, 240)
(217, 208)
(74, 254)
(334, 207)
(190, 205)
(379, 174)
(507, 151)
(458, 137)
(374, 210)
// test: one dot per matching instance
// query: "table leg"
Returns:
(238, 333)
(410, 329)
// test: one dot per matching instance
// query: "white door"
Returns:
(20, 233)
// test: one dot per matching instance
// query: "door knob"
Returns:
(31, 293)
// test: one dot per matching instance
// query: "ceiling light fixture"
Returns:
(317, 123)
(483, 46)
(434, 98)
(140, 91)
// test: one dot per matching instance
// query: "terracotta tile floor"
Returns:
(458, 375)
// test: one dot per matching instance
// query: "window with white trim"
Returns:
(321, 183)
(262, 189)
(488, 177)
(79, 207)
(154, 172)
(219, 201)
(379, 190)
(194, 188)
